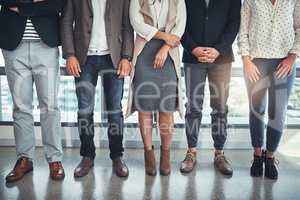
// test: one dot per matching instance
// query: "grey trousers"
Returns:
(219, 79)
(35, 62)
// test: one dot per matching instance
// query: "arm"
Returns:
(66, 29)
(187, 41)
(42, 8)
(15, 3)
(127, 33)
(137, 20)
(243, 40)
(296, 46)
(178, 30)
(232, 28)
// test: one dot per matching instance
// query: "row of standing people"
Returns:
(98, 38)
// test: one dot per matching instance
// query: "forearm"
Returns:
(43, 8)
(15, 3)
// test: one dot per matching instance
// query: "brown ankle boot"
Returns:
(165, 167)
(150, 164)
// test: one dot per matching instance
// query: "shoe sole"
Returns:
(15, 180)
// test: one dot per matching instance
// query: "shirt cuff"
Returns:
(151, 34)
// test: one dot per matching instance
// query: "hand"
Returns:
(161, 57)
(172, 40)
(200, 52)
(124, 68)
(251, 70)
(213, 54)
(285, 68)
(14, 9)
(73, 66)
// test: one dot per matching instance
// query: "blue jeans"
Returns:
(113, 92)
(278, 91)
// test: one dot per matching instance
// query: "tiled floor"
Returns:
(203, 183)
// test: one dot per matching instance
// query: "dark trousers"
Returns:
(219, 79)
(113, 92)
(278, 92)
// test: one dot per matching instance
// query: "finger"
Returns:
(257, 71)
(283, 73)
(119, 69)
(280, 72)
(155, 63)
(72, 71)
(79, 68)
(76, 71)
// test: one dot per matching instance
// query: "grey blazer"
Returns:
(76, 27)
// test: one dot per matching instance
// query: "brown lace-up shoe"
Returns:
(150, 163)
(120, 168)
(57, 171)
(165, 167)
(83, 167)
(223, 165)
(23, 166)
(188, 164)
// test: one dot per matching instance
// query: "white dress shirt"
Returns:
(159, 9)
(270, 31)
(98, 44)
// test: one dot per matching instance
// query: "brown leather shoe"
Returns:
(223, 165)
(165, 167)
(83, 167)
(23, 166)
(120, 168)
(57, 171)
(188, 164)
(150, 163)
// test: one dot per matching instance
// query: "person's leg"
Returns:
(166, 123)
(20, 82)
(279, 93)
(113, 92)
(45, 67)
(257, 95)
(219, 79)
(85, 92)
(19, 76)
(146, 127)
(195, 79)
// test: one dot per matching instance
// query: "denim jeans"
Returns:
(219, 79)
(113, 92)
(278, 92)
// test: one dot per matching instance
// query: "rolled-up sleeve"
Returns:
(243, 39)
(296, 46)
(137, 21)
(180, 19)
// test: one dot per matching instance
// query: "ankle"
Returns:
(192, 150)
(219, 152)
(269, 154)
(258, 152)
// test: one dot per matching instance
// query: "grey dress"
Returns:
(154, 90)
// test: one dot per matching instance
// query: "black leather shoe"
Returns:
(271, 171)
(257, 168)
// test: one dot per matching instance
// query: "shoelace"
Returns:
(56, 165)
(189, 156)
